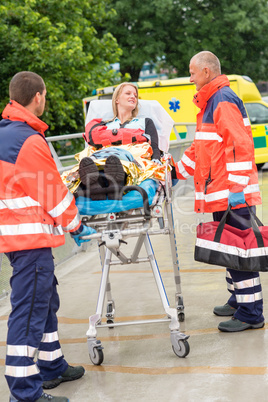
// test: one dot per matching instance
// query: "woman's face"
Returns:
(127, 100)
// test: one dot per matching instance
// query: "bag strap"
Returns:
(220, 228)
(252, 214)
(256, 230)
(254, 225)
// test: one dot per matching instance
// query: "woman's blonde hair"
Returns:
(116, 95)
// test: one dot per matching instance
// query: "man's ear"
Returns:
(207, 72)
(37, 98)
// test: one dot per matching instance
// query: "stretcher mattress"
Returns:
(131, 200)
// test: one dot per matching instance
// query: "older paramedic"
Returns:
(35, 208)
(124, 128)
(221, 159)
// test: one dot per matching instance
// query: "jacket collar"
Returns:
(16, 112)
(202, 96)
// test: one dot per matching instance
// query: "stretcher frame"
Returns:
(112, 230)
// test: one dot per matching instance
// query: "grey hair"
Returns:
(207, 59)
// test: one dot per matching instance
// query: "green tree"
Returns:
(60, 41)
(236, 32)
(172, 31)
(138, 26)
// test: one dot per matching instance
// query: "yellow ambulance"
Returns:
(176, 96)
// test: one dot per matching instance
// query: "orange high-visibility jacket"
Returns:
(35, 205)
(221, 157)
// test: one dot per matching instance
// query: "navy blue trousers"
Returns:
(245, 287)
(33, 349)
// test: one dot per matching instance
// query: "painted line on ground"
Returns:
(171, 370)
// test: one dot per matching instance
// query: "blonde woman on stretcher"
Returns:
(124, 128)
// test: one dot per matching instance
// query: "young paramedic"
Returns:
(35, 209)
(221, 159)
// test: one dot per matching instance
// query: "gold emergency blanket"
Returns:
(143, 168)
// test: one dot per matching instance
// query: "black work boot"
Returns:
(44, 398)
(49, 398)
(72, 373)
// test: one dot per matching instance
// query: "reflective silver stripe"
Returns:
(248, 298)
(249, 283)
(62, 206)
(246, 121)
(49, 356)
(199, 196)
(188, 162)
(22, 371)
(230, 286)
(17, 203)
(182, 170)
(218, 195)
(238, 166)
(202, 135)
(228, 275)
(29, 228)
(252, 188)
(21, 350)
(233, 250)
(73, 224)
(238, 179)
(50, 337)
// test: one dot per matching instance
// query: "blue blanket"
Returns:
(131, 200)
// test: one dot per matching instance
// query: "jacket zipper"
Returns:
(208, 181)
(234, 151)
(32, 303)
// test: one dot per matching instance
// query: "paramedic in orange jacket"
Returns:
(35, 209)
(221, 159)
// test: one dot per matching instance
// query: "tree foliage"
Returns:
(138, 26)
(60, 41)
(236, 32)
(174, 30)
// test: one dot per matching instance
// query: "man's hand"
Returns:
(86, 231)
(236, 198)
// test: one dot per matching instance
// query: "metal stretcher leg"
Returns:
(179, 340)
(176, 268)
(110, 309)
(112, 239)
(94, 346)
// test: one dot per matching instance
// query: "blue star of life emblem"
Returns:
(174, 104)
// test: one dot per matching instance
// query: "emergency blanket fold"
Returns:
(218, 243)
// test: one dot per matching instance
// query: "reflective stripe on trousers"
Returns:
(245, 287)
(32, 324)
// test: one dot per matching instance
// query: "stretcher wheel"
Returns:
(183, 348)
(98, 357)
(110, 322)
(181, 317)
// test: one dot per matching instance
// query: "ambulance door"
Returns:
(258, 116)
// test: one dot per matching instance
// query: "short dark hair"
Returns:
(24, 86)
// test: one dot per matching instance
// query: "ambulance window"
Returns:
(257, 113)
(109, 96)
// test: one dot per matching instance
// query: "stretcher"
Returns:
(144, 211)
